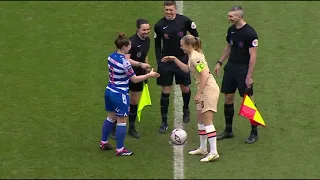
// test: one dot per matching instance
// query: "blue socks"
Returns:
(121, 134)
(108, 125)
(121, 130)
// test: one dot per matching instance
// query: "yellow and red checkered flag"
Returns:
(250, 111)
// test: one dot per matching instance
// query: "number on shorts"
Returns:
(202, 104)
(124, 99)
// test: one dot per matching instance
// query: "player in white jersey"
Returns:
(117, 95)
(206, 98)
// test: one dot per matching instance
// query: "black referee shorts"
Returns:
(168, 73)
(235, 78)
(137, 87)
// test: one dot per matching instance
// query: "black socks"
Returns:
(164, 104)
(228, 113)
(132, 115)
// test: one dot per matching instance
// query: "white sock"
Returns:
(211, 133)
(203, 137)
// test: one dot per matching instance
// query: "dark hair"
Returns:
(140, 22)
(195, 42)
(122, 40)
(170, 3)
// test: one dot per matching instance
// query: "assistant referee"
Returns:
(241, 48)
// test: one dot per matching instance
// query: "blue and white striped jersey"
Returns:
(120, 70)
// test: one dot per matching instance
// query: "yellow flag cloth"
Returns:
(250, 111)
(145, 100)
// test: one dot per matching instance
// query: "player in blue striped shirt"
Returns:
(117, 100)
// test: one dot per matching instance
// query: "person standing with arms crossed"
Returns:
(241, 48)
(206, 98)
(140, 44)
(170, 29)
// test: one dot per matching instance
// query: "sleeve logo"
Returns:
(255, 43)
(193, 25)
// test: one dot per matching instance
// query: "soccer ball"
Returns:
(178, 136)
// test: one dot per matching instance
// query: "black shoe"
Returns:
(163, 128)
(252, 138)
(186, 115)
(225, 135)
(132, 132)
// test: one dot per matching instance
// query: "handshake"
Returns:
(149, 73)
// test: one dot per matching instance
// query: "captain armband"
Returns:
(200, 67)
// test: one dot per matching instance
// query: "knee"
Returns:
(165, 96)
(134, 100)
(184, 89)
(112, 118)
(229, 99)
(166, 89)
(121, 119)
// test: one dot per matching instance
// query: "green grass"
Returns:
(286, 92)
(53, 72)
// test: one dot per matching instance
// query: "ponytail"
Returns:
(195, 42)
(198, 45)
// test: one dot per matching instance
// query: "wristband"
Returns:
(219, 63)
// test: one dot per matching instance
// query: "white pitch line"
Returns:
(178, 159)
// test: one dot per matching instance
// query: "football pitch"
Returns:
(53, 71)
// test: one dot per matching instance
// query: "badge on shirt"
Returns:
(166, 36)
(180, 34)
(139, 54)
(240, 44)
(255, 43)
(193, 25)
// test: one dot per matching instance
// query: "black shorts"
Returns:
(136, 87)
(235, 78)
(167, 74)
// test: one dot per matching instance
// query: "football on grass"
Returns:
(178, 136)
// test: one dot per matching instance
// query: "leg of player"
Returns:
(113, 132)
(202, 149)
(165, 81)
(253, 137)
(228, 88)
(109, 122)
(107, 127)
(134, 99)
(228, 114)
(120, 136)
(211, 134)
(186, 94)
(164, 105)
(184, 80)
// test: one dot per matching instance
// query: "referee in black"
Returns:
(241, 48)
(169, 30)
(138, 57)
